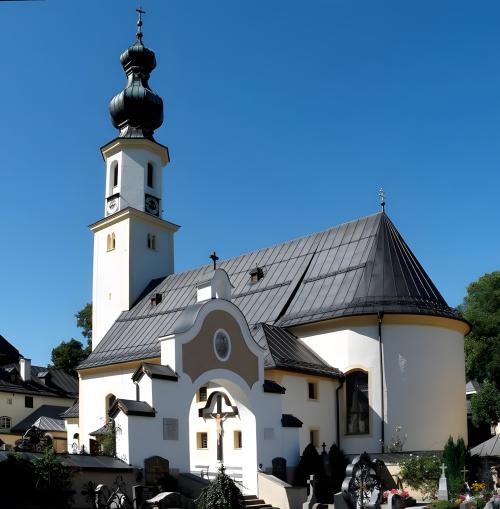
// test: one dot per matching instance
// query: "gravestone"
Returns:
(279, 468)
(362, 487)
(156, 469)
(443, 485)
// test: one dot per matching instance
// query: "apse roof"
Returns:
(356, 268)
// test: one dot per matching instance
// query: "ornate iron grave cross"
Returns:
(213, 410)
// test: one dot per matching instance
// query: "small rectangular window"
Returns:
(9, 401)
(314, 437)
(312, 390)
(28, 401)
(238, 443)
(202, 393)
(115, 175)
(202, 440)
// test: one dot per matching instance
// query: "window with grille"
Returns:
(5, 422)
(357, 403)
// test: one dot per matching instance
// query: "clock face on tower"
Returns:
(152, 205)
(112, 205)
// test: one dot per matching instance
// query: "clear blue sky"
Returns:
(282, 117)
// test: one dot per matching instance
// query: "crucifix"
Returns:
(214, 258)
(443, 468)
(213, 410)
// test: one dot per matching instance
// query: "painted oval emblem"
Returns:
(222, 345)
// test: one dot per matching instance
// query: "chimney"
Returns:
(25, 368)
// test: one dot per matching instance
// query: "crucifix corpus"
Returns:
(213, 410)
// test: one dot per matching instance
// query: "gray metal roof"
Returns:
(285, 351)
(73, 411)
(360, 267)
(49, 411)
(50, 424)
(155, 371)
(131, 407)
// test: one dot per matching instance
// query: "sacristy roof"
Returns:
(356, 268)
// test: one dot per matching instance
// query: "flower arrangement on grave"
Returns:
(402, 493)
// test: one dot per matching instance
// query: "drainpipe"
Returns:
(337, 391)
(380, 317)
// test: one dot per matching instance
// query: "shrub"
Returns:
(454, 459)
(310, 463)
(421, 473)
(338, 464)
(444, 504)
(221, 493)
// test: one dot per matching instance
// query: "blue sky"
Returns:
(282, 118)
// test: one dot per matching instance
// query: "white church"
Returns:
(336, 337)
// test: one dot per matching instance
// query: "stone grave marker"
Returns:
(155, 469)
(443, 485)
(279, 468)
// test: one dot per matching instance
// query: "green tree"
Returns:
(67, 356)
(454, 459)
(84, 321)
(481, 307)
(485, 405)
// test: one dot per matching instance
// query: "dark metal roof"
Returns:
(55, 383)
(155, 371)
(8, 353)
(50, 411)
(290, 421)
(131, 407)
(360, 267)
(284, 350)
(273, 387)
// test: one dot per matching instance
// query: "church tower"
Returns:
(132, 243)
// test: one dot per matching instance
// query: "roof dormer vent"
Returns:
(156, 299)
(256, 274)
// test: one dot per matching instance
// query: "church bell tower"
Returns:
(132, 243)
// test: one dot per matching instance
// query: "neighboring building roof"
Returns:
(71, 412)
(8, 353)
(50, 424)
(489, 448)
(284, 350)
(356, 268)
(131, 407)
(48, 411)
(472, 387)
(53, 382)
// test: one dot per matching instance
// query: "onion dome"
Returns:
(137, 111)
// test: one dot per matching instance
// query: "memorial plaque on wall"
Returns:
(170, 429)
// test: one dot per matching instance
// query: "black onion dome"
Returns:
(137, 111)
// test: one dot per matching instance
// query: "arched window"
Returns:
(110, 399)
(5, 422)
(150, 175)
(151, 241)
(114, 173)
(111, 242)
(357, 403)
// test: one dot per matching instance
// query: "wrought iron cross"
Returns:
(139, 23)
(214, 258)
(381, 193)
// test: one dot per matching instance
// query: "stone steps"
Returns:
(252, 502)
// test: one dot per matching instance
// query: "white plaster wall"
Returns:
(147, 264)
(424, 381)
(93, 392)
(318, 414)
(72, 427)
(111, 288)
